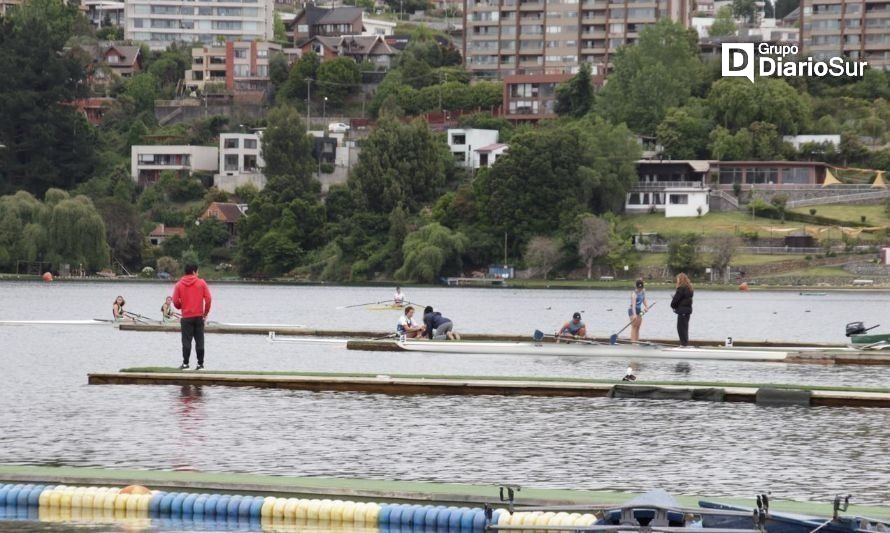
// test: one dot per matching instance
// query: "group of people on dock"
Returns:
(681, 303)
(431, 326)
(191, 296)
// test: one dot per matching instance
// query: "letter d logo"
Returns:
(738, 60)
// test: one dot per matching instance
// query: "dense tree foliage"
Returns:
(575, 97)
(658, 73)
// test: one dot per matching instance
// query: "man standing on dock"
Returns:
(192, 296)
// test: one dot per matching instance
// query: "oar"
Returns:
(362, 305)
(539, 335)
(613, 339)
(137, 317)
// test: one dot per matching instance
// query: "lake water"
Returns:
(50, 416)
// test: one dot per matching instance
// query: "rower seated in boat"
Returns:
(117, 309)
(168, 313)
(407, 327)
(572, 329)
(398, 299)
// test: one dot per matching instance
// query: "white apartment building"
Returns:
(240, 161)
(158, 23)
(148, 162)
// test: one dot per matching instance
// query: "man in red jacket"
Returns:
(192, 296)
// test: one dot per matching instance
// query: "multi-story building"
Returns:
(857, 29)
(242, 67)
(6, 6)
(148, 162)
(159, 23)
(240, 161)
(315, 21)
(510, 37)
(103, 12)
(531, 97)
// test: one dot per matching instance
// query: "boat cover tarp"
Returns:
(768, 396)
(665, 393)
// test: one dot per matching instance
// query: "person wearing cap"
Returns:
(574, 328)
(638, 307)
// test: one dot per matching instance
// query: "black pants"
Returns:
(192, 328)
(683, 328)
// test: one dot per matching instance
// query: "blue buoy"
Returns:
(407, 515)
(443, 518)
(256, 508)
(244, 506)
(454, 519)
(188, 504)
(22, 499)
(210, 505)
(232, 509)
(166, 503)
(479, 520)
(154, 504)
(4, 488)
(466, 519)
(429, 519)
(13, 495)
(383, 515)
(198, 509)
(222, 507)
(34, 496)
(176, 505)
(395, 516)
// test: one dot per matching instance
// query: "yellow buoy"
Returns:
(372, 513)
(268, 505)
(347, 516)
(135, 489)
(278, 507)
(290, 508)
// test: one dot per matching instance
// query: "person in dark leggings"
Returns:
(192, 296)
(682, 305)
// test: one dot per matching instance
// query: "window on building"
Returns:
(231, 143)
(231, 162)
(240, 53)
(679, 199)
(458, 138)
(250, 144)
(798, 175)
(730, 175)
(762, 176)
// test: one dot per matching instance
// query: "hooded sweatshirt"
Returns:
(192, 296)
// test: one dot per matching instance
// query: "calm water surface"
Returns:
(49, 416)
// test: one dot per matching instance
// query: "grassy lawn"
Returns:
(820, 272)
(722, 223)
(875, 214)
(649, 260)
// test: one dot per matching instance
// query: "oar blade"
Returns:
(613, 338)
(538, 335)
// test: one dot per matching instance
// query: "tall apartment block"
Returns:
(159, 23)
(859, 30)
(514, 37)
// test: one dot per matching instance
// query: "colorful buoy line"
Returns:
(62, 503)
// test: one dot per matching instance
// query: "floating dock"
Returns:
(763, 394)
(304, 331)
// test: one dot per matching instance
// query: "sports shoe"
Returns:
(183, 366)
(199, 367)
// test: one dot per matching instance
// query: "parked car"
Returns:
(338, 127)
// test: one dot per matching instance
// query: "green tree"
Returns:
(683, 133)
(744, 9)
(736, 102)
(143, 89)
(123, 230)
(48, 144)
(301, 75)
(279, 31)
(287, 151)
(575, 96)
(204, 237)
(726, 146)
(278, 69)
(724, 23)
(683, 255)
(656, 74)
(400, 164)
(337, 79)
(431, 251)
(593, 240)
(784, 7)
(542, 254)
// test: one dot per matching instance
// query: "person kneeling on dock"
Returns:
(573, 329)
(437, 326)
(406, 326)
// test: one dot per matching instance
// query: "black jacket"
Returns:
(682, 301)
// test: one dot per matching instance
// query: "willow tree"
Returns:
(430, 251)
(76, 233)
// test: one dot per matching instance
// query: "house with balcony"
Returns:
(148, 162)
(335, 22)
(238, 68)
(531, 97)
(675, 188)
(163, 232)
(240, 161)
(228, 214)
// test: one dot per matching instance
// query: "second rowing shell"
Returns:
(573, 350)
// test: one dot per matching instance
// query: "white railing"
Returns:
(852, 197)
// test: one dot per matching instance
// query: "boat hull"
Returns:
(591, 350)
(870, 339)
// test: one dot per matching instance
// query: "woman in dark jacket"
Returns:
(682, 305)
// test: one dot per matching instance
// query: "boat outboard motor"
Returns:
(855, 328)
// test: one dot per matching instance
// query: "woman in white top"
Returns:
(407, 327)
(398, 299)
